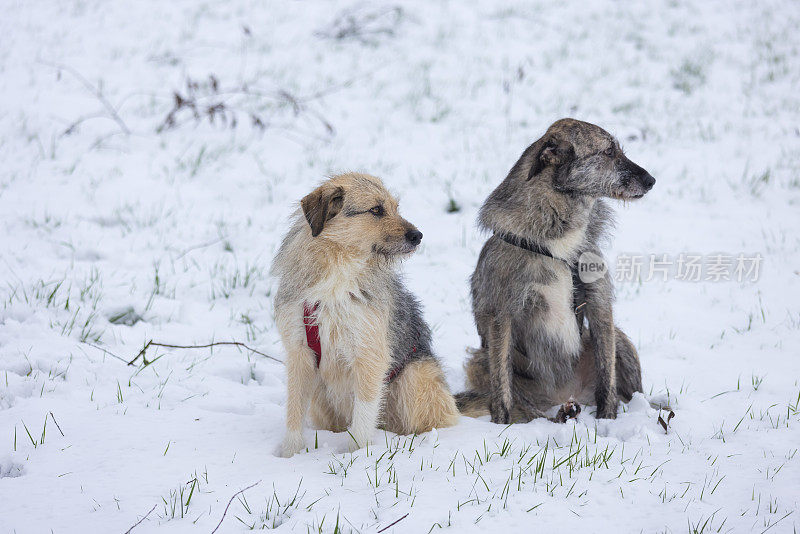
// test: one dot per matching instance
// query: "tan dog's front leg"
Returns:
(299, 384)
(370, 371)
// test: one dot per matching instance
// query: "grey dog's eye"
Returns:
(378, 211)
(609, 151)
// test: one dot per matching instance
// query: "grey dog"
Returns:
(531, 306)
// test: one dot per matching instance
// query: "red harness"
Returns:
(312, 330)
(312, 338)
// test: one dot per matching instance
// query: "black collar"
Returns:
(528, 245)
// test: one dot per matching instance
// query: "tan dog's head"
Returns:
(356, 212)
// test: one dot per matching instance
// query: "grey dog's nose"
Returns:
(414, 237)
(647, 181)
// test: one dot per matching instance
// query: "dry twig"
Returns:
(112, 112)
(392, 524)
(229, 504)
(169, 346)
(142, 519)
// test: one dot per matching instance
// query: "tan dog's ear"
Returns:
(322, 205)
(553, 152)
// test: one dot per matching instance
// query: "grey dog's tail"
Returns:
(472, 404)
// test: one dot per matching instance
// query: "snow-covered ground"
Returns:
(123, 223)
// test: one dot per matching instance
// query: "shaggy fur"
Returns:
(341, 252)
(529, 307)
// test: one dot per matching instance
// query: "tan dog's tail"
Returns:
(472, 404)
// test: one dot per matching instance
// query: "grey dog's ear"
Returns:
(322, 205)
(553, 152)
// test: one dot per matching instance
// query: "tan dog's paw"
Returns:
(356, 442)
(292, 444)
(568, 410)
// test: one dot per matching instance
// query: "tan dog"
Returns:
(358, 350)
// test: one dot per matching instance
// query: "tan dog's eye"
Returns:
(609, 152)
(378, 211)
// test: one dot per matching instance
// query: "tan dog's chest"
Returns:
(350, 332)
(339, 328)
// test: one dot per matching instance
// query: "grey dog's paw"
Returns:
(607, 410)
(500, 412)
(568, 410)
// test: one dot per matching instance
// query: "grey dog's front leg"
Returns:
(599, 297)
(500, 370)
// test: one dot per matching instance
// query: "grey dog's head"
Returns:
(583, 159)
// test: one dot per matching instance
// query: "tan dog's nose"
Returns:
(414, 237)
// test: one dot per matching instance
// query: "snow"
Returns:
(171, 234)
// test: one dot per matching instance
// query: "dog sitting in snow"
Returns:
(547, 330)
(358, 349)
